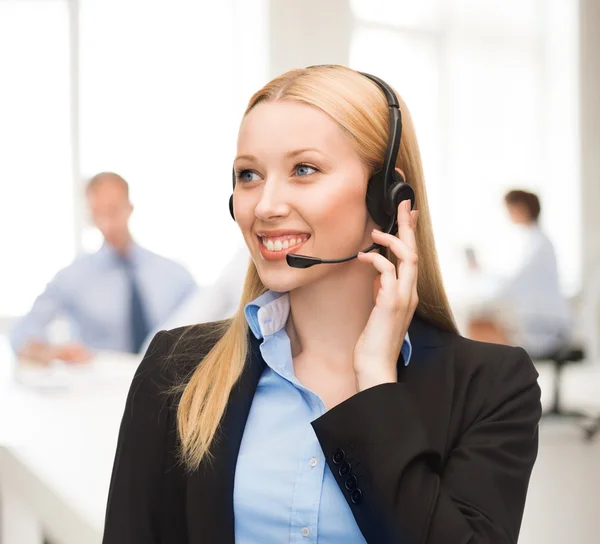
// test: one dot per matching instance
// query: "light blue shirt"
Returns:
(284, 491)
(93, 294)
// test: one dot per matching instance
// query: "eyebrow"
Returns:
(288, 155)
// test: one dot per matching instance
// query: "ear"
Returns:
(401, 172)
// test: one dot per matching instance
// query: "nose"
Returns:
(273, 203)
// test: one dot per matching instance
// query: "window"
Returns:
(36, 194)
(163, 89)
(491, 86)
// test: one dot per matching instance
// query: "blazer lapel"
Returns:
(210, 488)
(429, 378)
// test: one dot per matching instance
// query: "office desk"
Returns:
(57, 449)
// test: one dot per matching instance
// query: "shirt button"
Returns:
(313, 462)
(305, 531)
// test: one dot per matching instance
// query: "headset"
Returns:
(386, 189)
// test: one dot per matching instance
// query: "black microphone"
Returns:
(304, 261)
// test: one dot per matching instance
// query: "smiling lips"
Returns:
(276, 245)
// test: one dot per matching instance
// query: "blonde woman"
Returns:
(339, 404)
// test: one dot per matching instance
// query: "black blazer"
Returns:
(443, 456)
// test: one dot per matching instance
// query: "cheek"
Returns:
(244, 217)
(342, 214)
(243, 208)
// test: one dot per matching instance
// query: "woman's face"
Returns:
(300, 189)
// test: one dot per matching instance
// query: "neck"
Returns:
(123, 247)
(327, 317)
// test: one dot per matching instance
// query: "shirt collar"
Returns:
(268, 314)
(111, 255)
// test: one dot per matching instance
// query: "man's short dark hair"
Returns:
(528, 200)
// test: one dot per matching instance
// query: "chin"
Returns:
(281, 278)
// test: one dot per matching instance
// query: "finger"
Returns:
(384, 267)
(376, 287)
(398, 247)
(414, 214)
(408, 261)
(406, 225)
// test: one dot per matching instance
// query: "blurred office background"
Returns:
(504, 94)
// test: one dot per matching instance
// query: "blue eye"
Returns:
(247, 175)
(305, 170)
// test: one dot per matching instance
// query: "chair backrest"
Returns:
(590, 316)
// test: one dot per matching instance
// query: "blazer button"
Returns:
(351, 482)
(344, 469)
(338, 456)
(356, 496)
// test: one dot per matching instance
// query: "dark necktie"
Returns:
(137, 317)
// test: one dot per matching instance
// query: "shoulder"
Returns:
(492, 374)
(475, 357)
(164, 264)
(174, 354)
(479, 369)
(83, 266)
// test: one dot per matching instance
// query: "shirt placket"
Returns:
(308, 487)
(309, 483)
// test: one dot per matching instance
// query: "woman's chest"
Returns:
(284, 491)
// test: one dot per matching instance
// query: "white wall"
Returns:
(308, 32)
(589, 68)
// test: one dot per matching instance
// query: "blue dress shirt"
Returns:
(284, 491)
(93, 293)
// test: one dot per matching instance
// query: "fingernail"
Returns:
(407, 205)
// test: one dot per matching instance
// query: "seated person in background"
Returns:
(527, 308)
(215, 302)
(112, 298)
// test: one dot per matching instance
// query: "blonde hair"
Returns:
(359, 107)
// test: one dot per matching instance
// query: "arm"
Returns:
(28, 337)
(477, 497)
(139, 499)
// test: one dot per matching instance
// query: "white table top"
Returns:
(62, 440)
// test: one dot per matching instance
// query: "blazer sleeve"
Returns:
(133, 511)
(406, 493)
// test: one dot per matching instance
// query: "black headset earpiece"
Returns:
(383, 205)
(231, 197)
(398, 192)
(231, 207)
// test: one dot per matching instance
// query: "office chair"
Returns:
(560, 358)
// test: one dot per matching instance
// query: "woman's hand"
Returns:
(395, 296)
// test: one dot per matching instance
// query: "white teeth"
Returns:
(278, 245)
